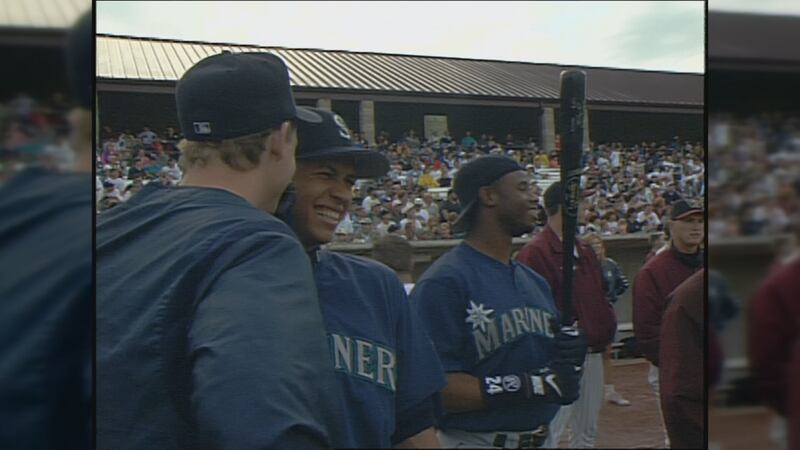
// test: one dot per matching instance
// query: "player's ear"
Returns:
(282, 142)
(488, 196)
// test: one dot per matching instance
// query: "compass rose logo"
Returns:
(478, 317)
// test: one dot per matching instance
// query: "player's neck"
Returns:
(491, 242)
(685, 248)
(555, 224)
(247, 185)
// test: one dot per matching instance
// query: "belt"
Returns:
(530, 439)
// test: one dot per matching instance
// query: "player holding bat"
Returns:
(573, 271)
(493, 321)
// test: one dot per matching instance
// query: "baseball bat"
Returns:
(571, 116)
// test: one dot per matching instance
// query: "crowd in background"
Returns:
(755, 175)
(626, 188)
(33, 132)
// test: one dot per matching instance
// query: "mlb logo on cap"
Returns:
(202, 127)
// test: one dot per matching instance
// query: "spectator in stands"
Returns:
(468, 143)
(649, 219)
(430, 206)
(420, 212)
(614, 180)
(173, 170)
(451, 204)
(148, 137)
(411, 139)
(137, 171)
(426, 180)
(115, 178)
(366, 233)
(541, 160)
(385, 223)
(410, 229)
(371, 199)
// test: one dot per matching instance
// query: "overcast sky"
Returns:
(789, 7)
(641, 35)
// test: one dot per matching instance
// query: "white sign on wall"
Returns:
(437, 124)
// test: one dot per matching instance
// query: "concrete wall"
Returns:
(628, 252)
(743, 262)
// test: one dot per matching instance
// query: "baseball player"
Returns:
(681, 352)
(661, 274)
(209, 332)
(46, 306)
(594, 313)
(614, 284)
(774, 316)
(493, 321)
(386, 367)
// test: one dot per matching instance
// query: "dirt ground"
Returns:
(639, 425)
(635, 426)
(740, 428)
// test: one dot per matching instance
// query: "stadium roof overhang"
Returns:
(38, 23)
(147, 65)
(753, 42)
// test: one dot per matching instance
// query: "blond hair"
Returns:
(241, 153)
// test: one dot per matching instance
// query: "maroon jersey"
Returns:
(774, 323)
(681, 370)
(654, 282)
(793, 424)
(715, 358)
(596, 319)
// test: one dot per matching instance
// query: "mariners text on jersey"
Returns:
(492, 333)
(364, 359)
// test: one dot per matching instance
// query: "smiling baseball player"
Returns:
(385, 364)
(493, 320)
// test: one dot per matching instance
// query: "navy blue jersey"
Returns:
(209, 331)
(385, 362)
(46, 310)
(488, 318)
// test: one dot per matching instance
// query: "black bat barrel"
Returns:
(571, 120)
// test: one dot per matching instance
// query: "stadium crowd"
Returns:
(755, 175)
(627, 188)
(34, 132)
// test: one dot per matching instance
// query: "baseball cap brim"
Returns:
(307, 115)
(688, 213)
(368, 163)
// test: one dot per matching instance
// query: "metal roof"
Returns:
(156, 60)
(753, 37)
(41, 14)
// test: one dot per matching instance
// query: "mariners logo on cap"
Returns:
(343, 131)
(202, 127)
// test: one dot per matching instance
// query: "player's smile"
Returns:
(329, 215)
(323, 197)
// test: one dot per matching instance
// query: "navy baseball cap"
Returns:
(330, 139)
(230, 95)
(78, 53)
(476, 174)
(682, 209)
